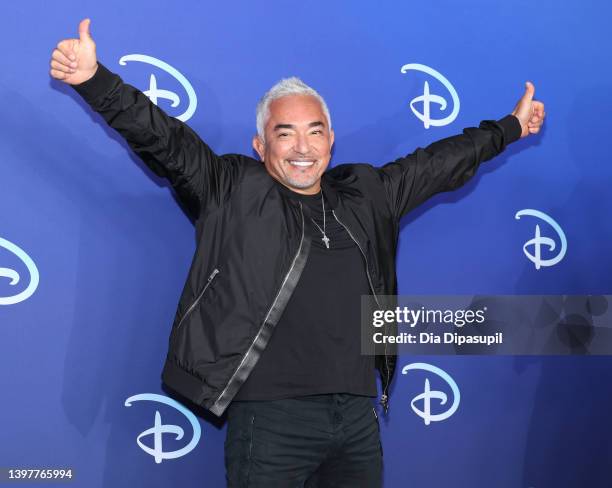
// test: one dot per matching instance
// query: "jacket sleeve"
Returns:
(169, 147)
(446, 164)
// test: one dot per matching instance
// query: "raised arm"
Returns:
(169, 147)
(449, 163)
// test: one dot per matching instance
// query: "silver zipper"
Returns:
(270, 309)
(195, 302)
(384, 397)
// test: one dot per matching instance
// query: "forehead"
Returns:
(296, 110)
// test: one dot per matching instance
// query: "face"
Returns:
(298, 143)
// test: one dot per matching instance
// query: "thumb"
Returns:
(84, 33)
(529, 92)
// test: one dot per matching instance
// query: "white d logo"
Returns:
(427, 98)
(14, 275)
(154, 93)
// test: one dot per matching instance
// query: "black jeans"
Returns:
(311, 441)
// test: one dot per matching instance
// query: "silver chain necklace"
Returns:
(325, 239)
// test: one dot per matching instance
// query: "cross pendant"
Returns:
(325, 239)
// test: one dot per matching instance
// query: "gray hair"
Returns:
(285, 87)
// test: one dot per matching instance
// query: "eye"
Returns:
(317, 132)
(283, 134)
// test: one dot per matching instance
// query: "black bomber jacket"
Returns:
(252, 243)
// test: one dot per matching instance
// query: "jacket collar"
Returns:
(331, 193)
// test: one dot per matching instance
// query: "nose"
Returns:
(301, 144)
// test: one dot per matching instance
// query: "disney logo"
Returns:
(428, 98)
(428, 394)
(14, 275)
(538, 241)
(155, 93)
(159, 429)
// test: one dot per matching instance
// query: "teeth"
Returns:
(301, 163)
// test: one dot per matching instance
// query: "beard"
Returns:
(302, 183)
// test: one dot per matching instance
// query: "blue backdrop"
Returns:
(94, 248)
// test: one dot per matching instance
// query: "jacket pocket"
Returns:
(198, 298)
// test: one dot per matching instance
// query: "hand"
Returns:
(529, 112)
(74, 60)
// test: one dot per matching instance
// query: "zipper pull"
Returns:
(384, 401)
(212, 275)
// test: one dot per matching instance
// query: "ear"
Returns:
(331, 138)
(259, 146)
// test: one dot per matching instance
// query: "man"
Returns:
(267, 326)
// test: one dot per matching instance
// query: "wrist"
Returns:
(102, 81)
(513, 129)
(92, 73)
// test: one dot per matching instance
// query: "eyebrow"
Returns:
(291, 126)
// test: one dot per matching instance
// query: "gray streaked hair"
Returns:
(285, 87)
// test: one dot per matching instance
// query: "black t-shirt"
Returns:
(316, 345)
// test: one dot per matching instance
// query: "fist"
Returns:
(74, 61)
(529, 112)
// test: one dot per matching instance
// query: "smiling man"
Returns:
(294, 135)
(268, 323)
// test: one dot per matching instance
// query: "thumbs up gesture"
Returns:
(74, 60)
(529, 112)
